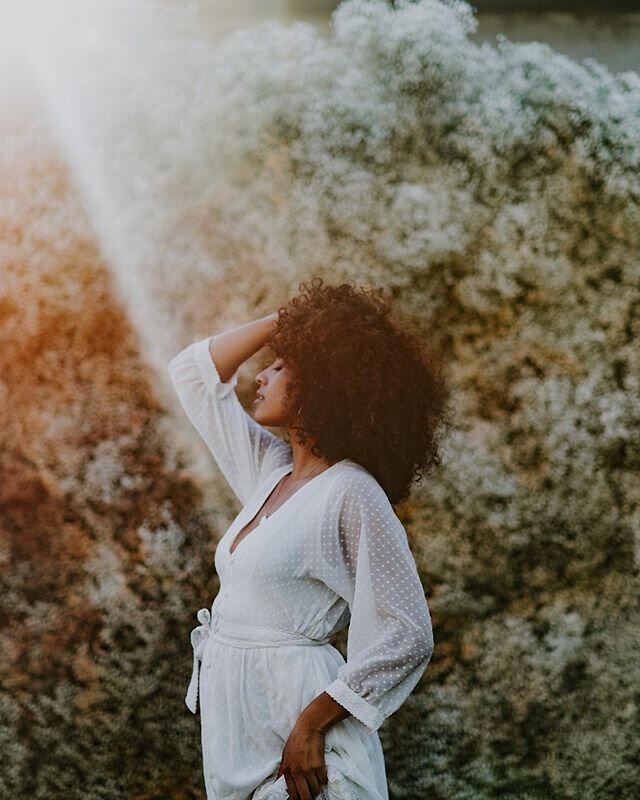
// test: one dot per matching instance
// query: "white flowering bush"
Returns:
(495, 191)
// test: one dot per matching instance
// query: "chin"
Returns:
(266, 419)
(263, 419)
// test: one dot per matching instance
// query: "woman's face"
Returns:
(271, 410)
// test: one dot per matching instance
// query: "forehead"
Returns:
(270, 357)
(271, 353)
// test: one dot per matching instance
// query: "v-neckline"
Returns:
(287, 469)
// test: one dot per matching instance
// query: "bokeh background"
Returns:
(169, 169)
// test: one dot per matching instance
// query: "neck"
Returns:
(304, 462)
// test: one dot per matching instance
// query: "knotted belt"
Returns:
(236, 635)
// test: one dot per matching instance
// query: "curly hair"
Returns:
(367, 387)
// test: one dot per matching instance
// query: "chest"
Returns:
(247, 529)
(274, 528)
(260, 516)
(268, 507)
(281, 548)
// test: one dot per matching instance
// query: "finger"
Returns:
(303, 788)
(314, 785)
(322, 777)
(292, 791)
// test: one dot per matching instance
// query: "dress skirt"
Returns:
(254, 682)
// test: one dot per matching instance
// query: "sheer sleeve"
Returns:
(390, 638)
(245, 451)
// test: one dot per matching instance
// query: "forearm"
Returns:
(322, 713)
(231, 348)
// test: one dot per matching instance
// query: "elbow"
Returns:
(172, 365)
(173, 373)
(425, 646)
(176, 366)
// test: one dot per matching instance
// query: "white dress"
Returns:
(335, 552)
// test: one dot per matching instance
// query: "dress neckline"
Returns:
(265, 519)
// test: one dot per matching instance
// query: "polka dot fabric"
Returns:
(333, 554)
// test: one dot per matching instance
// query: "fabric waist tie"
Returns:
(236, 635)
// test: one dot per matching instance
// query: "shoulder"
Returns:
(356, 488)
(361, 505)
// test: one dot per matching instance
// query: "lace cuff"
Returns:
(364, 711)
(209, 372)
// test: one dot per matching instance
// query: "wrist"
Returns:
(322, 713)
(269, 322)
(310, 725)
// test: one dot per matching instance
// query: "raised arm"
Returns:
(204, 376)
(232, 348)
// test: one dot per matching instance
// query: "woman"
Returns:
(316, 545)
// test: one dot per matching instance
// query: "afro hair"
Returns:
(367, 386)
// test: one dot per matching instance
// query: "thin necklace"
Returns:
(277, 492)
